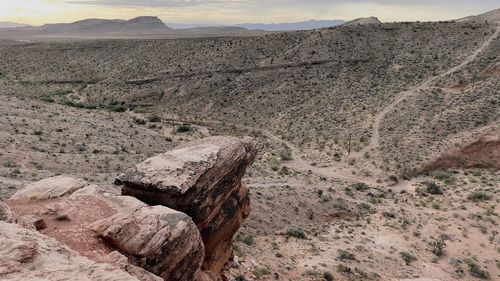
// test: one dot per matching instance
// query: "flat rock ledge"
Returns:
(174, 221)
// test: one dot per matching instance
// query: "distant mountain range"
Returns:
(153, 27)
(8, 24)
(362, 21)
(289, 26)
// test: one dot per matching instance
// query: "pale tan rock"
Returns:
(161, 240)
(53, 187)
(203, 180)
(29, 255)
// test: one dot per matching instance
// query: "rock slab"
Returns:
(203, 180)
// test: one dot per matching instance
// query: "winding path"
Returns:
(375, 137)
(299, 164)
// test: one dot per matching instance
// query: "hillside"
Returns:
(362, 21)
(7, 24)
(354, 124)
(491, 16)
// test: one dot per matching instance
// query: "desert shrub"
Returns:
(438, 246)
(117, 108)
(477, 196)
(476, 271)
(140, 110)
(444, 176)
(345, 255)
(184, 128)
(296, 232)
(328, 276)
(139, 121)
(360, 186)
(433, 188)
(47, 99)
(407, 257)
(246, 239)
(284, 170)
(344, 269)
(154, 118)
(275, 164)
(260, 271)
(286, 155)
(240, 277)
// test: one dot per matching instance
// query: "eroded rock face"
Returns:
(163, 241)
(155, 240)
(26, 254)
(203, 180)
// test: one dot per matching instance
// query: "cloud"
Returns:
(157, 3)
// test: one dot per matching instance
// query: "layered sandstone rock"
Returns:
(163, 241)
(26, 254)
(481, 153)
(203, 180)
(156, 241)
(200, 203)
(53, 187)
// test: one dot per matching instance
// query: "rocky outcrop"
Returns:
(203, 180)
(26, 254)
(197, 203)
(482, 153)
(155, 241)
(161, 240)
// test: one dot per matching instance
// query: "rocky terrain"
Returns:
(379, 147)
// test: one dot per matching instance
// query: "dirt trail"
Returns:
(374, 140)
(299, 164)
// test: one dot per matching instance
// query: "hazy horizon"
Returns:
(231, 12)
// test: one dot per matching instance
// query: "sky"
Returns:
(38, 12)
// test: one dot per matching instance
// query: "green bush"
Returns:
(184, 128)
(433, 188)
(117, 108)
(286, 155)
(47, 99)
(345, 255)
(438, 246)
(407, 257)
(246, 239)
(260, 271)
(476, 271)
(154, 118)
(296, 232)
(328, 276)
(360, 186)
(477, 196)
(275, 164)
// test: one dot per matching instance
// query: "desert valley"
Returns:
(363, 151)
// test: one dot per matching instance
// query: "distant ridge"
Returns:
(290, 26)
(8, 24)
(303, 25)
(363, 21)
(491, 16)
(104, 26)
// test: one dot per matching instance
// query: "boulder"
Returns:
(71, 218)
(53, 187)
(161, 240)
(26, 254)
(203, 180)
